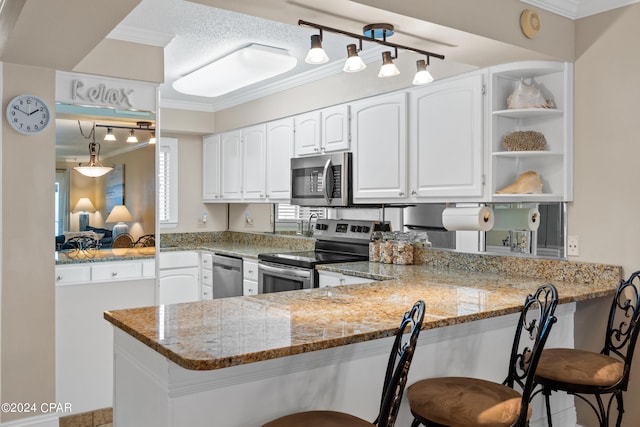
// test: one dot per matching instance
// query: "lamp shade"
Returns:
(119, 213)
(84, 205)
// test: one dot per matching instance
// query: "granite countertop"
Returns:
(220, 333)
(103, 255)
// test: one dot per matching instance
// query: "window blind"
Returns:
(286, 212)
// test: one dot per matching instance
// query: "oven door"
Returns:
(279, 277)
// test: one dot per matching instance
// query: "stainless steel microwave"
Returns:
(322, 180)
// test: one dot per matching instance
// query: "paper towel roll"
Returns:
(478, 218)
(516, 219)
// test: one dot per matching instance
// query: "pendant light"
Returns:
(388, 68)
(316, 54)
(423, 76)
(93, 168)
(353, 63)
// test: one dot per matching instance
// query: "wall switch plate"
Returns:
(573, 246)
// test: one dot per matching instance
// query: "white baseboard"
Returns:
(39, 421)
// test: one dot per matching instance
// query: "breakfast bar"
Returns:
(242, 361)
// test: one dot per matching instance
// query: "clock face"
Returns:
(28, 114)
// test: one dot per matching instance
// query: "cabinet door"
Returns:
(254, 150)
(211, 168)
(279, 153)
(179, 285)
(231, 164)
(307, 136)
(447, 155)
(335, 128)
(379, 144)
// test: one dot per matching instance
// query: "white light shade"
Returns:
(84, 205)
(316, 54)
(93, 171)
(354, 63)
(423, 76)
(132, 137)
(388, 68)
(152, 140)
(109, 136)
(119, 213)
(241, 68)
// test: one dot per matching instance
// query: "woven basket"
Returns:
(527, 140)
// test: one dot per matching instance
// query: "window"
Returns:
(292, 217)
(168, 183)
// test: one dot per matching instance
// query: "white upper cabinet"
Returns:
(254, 142)
(308, 133)
(280, 136)
(211, 168)
(446, 145)
(379, 144)
(231, 165)
(554, 164)
(322, 131)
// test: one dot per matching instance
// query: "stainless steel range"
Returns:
(337, 241)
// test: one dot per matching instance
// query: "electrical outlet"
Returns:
(573, 246)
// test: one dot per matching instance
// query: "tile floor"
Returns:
(99, 418)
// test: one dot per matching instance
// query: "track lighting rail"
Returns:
(362, 38)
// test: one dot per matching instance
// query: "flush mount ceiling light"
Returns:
(375, 33)
(238, 69)
(93, 168)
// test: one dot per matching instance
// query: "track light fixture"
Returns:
(423, 76)
(375, 33)
(141, 126)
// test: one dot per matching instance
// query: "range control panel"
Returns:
(347, 229)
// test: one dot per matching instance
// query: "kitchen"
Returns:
(613, 244)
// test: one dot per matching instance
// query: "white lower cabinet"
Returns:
(84, 340)
(179, 279)
(330, 278)
(249, 278)
(206, 276)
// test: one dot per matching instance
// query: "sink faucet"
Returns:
(309, 229)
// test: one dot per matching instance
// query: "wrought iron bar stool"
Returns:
(582, 373)
(394, 383)
(462, 401)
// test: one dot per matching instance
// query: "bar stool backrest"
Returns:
(400, 358)
(623, 325)
(534, 325)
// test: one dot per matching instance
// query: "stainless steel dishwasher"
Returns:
(226, 276)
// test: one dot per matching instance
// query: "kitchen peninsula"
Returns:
(242, 361)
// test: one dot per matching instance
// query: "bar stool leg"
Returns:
(547, 393)
(620, 409)
(415, 423)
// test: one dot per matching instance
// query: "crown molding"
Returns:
(575, 9)
(137, 35)
(186, 105)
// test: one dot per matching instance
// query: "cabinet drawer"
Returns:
(249, 287)
(207, 292)
(116, 271)
(178, 259)
(250, 270)
(205, 260)
(72, 274)
(207, 277)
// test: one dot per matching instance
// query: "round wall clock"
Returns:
(28, 114)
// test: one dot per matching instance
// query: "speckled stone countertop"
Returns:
(103, 255)
(220, 333)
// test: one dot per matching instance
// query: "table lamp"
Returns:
(84, 206)
(119, 214)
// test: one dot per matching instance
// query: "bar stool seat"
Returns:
(460, 401)
(579, 367)
(319, 419)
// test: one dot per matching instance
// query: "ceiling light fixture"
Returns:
(93, 168)
(316, 54)
(109, 136)
(244, 67)
(375, 33)
(423, 76)
(132, 137)
(354, 63)
(388, 68)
